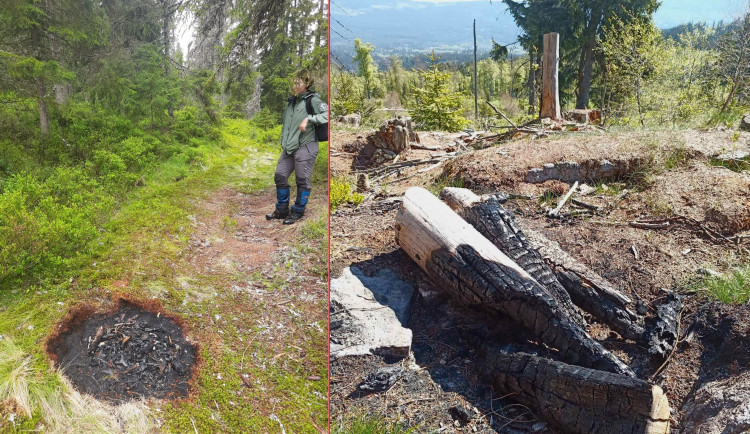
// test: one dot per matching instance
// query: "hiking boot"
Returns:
(278, 214)
(293, 217)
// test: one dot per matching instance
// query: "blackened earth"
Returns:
(128, 354)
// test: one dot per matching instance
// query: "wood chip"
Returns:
(246, 381)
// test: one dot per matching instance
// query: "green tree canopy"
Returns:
(436, 106)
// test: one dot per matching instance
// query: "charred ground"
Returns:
(660, 174)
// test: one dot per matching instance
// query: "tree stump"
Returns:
(394, 135)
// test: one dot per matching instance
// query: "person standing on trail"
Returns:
(299, 146)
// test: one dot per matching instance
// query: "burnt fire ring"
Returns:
(134, 351)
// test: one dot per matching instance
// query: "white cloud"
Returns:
(347, 11)
(382, 7)
(400, 6)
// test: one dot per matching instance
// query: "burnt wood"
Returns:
(476, 273)
(576, 399)
(573, 285)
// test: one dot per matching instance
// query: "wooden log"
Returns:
(550, 87)
(489, 217)
(576, 399)
(476, 273)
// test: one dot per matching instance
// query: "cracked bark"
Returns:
(576, 399)
(476, 273)
(568, 281)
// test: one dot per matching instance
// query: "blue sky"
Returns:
(434, 23)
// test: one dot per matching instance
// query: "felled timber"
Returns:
(576, 399)
(476, 273)
(570, 280)
(489, 218)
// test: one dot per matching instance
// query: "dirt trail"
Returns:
(256, 293)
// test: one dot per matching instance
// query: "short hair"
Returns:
(304, 75)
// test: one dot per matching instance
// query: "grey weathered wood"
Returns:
(550, 87)
(534, 253)
(576, 399)
(476, 273)
(556, 212)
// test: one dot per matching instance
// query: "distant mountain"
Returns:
(409, 27)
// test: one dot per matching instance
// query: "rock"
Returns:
(367, 314)
(353, 119)
(719, 407)
(394, 135)
(460, 414)
(572, 171)
(745, 123)
(381, 380)
(382, 156)
(585, 189)
(389, 290)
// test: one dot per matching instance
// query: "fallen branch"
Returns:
(501, 114)
(712, 234)
(556, 212)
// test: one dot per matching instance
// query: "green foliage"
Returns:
(348, 95)
(370, 425)
(733, 288)
(48, 225)
(367, 67)
(341, 193)
(631, 50)
(436, 106)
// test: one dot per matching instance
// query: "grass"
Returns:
(733, 165)
(444, 181)
(732, 287)
(370, 425)
(142, 243)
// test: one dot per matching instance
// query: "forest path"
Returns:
(192, 239)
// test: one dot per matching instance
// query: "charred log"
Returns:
(476, 273)
(663, 332)
(570, 280)
(498, 225)
(576, 399)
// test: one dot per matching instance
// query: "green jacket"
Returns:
(294, 114)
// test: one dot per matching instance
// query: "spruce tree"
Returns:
(437, 107)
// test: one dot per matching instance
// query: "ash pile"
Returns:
(128, 354)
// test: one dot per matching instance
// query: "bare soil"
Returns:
(674, 177)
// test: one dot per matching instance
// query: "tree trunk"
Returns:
(167, 25)
(550, 84)
(43, 107)
(568, 281)
(532, 84)
(584, 82)
(496, 224)
(318, 29)
(575, 399)
(476, 273)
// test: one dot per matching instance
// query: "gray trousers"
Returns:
(301, 162)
